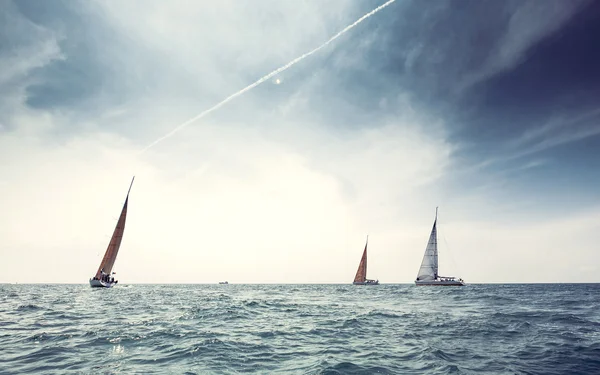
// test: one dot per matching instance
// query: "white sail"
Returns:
(429, 265)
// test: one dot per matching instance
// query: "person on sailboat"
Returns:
(104, 276)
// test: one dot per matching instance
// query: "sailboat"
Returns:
(428, 273)
(361, 273)
(103, 278)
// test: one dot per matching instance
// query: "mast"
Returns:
(361, 273)
(133, 178)
(435, 249)
(110, 255)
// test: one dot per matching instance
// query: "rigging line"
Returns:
(450, 253)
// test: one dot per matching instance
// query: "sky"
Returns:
(487, 109)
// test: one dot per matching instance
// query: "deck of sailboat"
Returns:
(101, 284)
(440, 283)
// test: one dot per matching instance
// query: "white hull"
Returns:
(101, 284)
(440, 283)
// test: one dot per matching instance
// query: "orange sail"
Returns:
(110, 256)
(361, 273)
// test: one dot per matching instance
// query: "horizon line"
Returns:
(332, 283)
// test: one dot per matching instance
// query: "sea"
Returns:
(300, 329)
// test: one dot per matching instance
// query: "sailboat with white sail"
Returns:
(361, 273)
(428, 273)
(103, 277)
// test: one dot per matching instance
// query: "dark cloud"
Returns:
(492, 70)
(558, 77)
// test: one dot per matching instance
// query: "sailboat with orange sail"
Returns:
(361, 273)
(103, 277)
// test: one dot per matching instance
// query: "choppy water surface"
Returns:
(300, 329)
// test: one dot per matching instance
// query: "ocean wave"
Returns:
(311, 329)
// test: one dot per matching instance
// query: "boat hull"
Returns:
(101, 284)
(366, 283)
(440, 283)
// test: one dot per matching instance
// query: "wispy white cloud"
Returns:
(557, 131)
(546, 131)
(529, 23)
(270, 75)
(17, 63)
(567, 136)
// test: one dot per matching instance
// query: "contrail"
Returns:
(265, 78)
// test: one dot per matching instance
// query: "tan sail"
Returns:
(361, 273)
(110, 256)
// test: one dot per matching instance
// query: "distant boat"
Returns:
(361, 273)
(223, 282)
(428, 273)
(103, 278)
